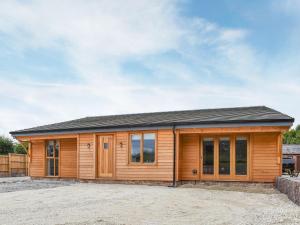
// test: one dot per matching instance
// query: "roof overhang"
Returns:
(153, 127)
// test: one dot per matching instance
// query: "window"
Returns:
(52, 155)
(143, 148)
(241, 156)
(105, 146)
(136, 148)
(208, 156)
(231, 153)
(224, 156)
(149, 148)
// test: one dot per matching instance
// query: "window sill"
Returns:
(142, 164)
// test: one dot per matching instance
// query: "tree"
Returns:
(20, 149)
(292, 136)
(6, 145)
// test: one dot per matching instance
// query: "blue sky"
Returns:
(61, 60)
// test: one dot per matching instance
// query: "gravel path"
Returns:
(88, 203)
(11, 184)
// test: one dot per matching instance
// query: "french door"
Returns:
(224, 157)
(52, 158)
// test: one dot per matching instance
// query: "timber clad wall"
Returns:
(162, 171)
(86, 156)
(68, 158)
(189, 156)
(265, 166)
(37, 163)
(81, 150)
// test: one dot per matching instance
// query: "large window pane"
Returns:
(135, 148)
(56, 167)
(241, 156)
(52, 155)
(50, 149)
(50, 167)
(208, 156)
(56, 149)
(224, 156)
(149, 148)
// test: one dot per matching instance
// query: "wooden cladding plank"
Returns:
(68, 158)
(86, 154)
(265, 165)
(189, 158)
(37, 164)
(246, 129)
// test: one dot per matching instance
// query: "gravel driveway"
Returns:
(48, 202)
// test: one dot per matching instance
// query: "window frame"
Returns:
(232, 175)
(54, 157)
(202, 140)
(247, 137)
(231, 151)
(142, 133)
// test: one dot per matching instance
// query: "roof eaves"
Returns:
(265, 122)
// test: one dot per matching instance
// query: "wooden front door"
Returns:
(105, 156)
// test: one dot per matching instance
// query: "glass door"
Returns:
(224, 156)
(208, 157)
(52, 158)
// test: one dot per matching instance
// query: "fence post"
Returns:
(9, 164)
(26, 163)
(28, 159)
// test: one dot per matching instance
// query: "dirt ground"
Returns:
(23, 201)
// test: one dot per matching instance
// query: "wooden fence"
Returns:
(12, 165)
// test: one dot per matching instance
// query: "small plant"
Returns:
(293, 173)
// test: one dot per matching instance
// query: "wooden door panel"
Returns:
(105, 156)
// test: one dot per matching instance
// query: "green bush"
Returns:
(20, 149)
(6, 145)
(292, 136)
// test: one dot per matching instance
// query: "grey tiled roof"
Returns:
(187, 117)
(291, 149)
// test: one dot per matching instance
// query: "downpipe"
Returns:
(174, 157)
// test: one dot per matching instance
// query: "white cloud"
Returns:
(97, 36)
(109, 28)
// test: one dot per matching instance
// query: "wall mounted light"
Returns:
(121, 144)
(88, 145)
(194, 171)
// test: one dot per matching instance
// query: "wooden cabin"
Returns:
(226, 144)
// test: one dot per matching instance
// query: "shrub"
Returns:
(20, 149)
(292, 136)
(6, 145)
